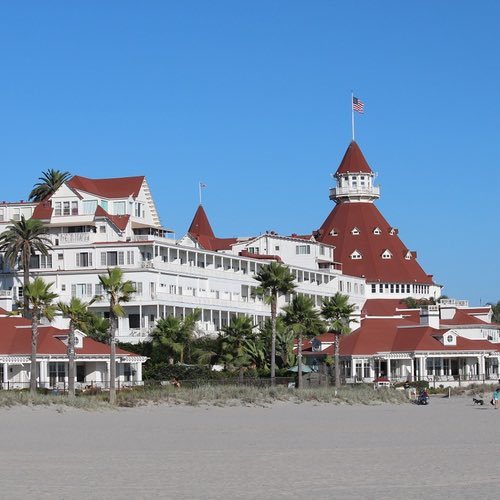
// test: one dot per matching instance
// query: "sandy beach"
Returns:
(447, 449)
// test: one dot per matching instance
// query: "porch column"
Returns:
(412, 374)
(482, 371)
(421, 367)
(138, 372)
(107, 377)
(141, 322)
(388, 368)
(353, 367)
(5, 377)
(43, 375)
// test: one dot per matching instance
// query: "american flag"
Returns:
(357, 105)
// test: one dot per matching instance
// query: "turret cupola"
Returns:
(355, 179)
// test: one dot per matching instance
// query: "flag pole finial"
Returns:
(201, 185)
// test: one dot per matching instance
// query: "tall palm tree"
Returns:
(337, 312)
(40, 303)
(275, 280)
(303, 318)
(50, 181)
(176, 334)
(234, 343)
(285, 356)
(118, 292)
(79, 315)
(22, 239)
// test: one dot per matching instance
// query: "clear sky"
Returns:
(253, 99)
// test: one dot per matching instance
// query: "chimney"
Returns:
(429, 316)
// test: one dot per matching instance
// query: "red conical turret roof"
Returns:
(201, 230)
(353, 161)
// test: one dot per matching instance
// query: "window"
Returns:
(374, 288)
(81, 290)
(41, 261)
(57, 372)
(254, 250)
(302, 249)
(84, 259)
(74, 208)
(130, 257)
(119, 208)
(99, 290)
(127, 372)
(102, 229)
(356, 255)
(112, 259)
(134, 321)
(138, 209)
(387, 254)
(377, 231)
(104, 204)
(89, 207)
(408, 255)
(60, 256)
(65, 207)
(57, 209)
(355, 231)
(63, 288)
(277, 248)
(333, 232)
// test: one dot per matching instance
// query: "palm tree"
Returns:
(234, 339)
(22, 239)
(285, 356)
(118, 292)
(275, 280)
(78, 313)
(40, 304)
(50, 182)
(337, 312)
(176, 334)
(302, 317)
(97, 328)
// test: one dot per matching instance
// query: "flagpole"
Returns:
(199, 189)
(352, 114)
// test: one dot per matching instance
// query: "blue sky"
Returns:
(253, 98)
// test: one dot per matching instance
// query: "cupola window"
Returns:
(387, 254)
(356, 255)
(333, 232)
(408, 255)
(377, 231)
(355, 231)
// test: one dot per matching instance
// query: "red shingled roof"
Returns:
(353, 161)
(119, 187)
(120, 221)
(201, 230)
(463, 317)
(366, 217)
(16, 339)
(399, 335)
(43, 211)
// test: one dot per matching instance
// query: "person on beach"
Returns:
(496, 398)
(175, 382)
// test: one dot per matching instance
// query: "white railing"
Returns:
(72, 238)
(355, 191)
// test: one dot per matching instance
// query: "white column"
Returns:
(138, 372)
(388, 364)
(482, 372)
(43, 375)
(5, 373)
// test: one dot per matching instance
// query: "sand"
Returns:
(444, 450)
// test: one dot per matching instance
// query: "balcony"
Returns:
(355, 192)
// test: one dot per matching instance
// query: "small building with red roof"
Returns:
(92, 358)
(413, 344)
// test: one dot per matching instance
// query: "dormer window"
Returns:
(356, 255)
(377, 231)
(408, 255)
(387, 254)
(393, 231)
(355, 231)
(333, 232)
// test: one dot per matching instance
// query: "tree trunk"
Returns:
(337, 360)
(112, 360)
(26, 280)
(34, 341)
(299, 361)
(273, 339)
(71, 361)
